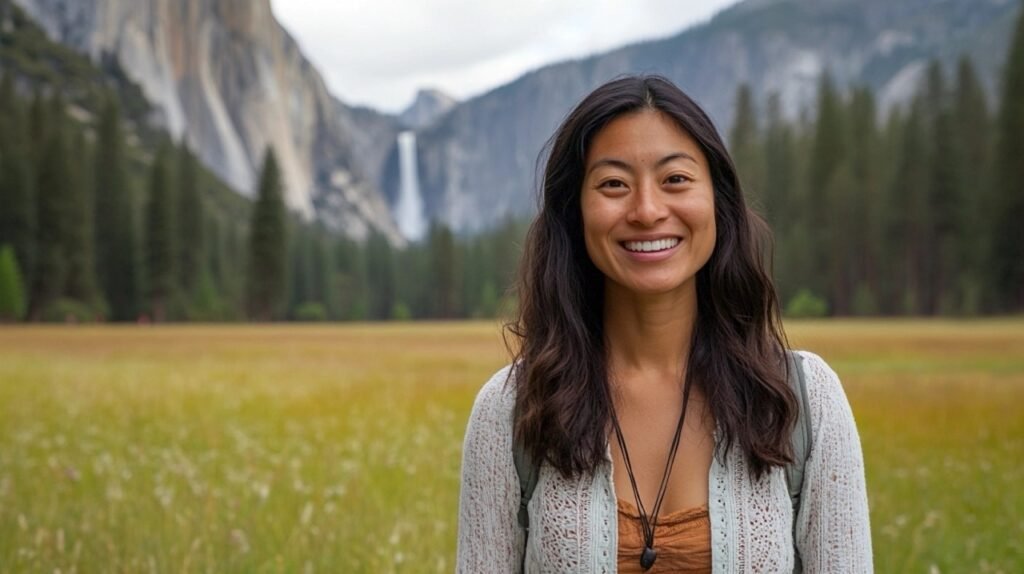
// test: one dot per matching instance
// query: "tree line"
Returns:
(95, 226)
(918, 212)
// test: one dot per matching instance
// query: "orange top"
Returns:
(682, 541)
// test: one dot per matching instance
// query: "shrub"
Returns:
(806, 304)
(12, 295)
(65, 310)
(400, 312)
(311, 311)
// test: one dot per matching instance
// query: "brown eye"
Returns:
(616, 183)
(678, 179)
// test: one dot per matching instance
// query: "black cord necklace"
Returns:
(649, 555)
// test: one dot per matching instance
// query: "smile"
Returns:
(651, 246)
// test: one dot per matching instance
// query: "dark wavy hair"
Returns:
(736, 356)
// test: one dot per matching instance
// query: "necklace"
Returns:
(649, 523)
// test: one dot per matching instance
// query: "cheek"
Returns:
(592, 242)
(699, 214)
(711, 232)
(596, 225)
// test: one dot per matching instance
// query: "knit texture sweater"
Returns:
(573, 522)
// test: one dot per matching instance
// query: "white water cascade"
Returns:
(409, 208)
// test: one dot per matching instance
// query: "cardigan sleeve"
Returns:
(490, 539)
(833, 529)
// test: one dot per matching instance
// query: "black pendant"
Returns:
(647, 558)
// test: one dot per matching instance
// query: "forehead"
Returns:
(640, 136)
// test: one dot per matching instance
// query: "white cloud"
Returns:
(379, 52)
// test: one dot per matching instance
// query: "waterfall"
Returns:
(409, 208)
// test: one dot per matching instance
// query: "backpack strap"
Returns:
(528, 473)
(802, 438)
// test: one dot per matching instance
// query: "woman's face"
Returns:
(647, 204)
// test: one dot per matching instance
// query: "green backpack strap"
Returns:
(528, 474)
(801, 444)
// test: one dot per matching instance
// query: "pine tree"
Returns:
(380, 276)
(744, 141)
(909, 221)
(9, 103)
(444, 270)
(17, 184)
(218, 257)
(301, 274)
(55, 205)
(267, 271)
(782, 198)
(414, 294)
(778, 153)
(325, 274)
(190, 230)
(828, 152)
(12, 298)
(842, 233)
(937, 210)
(116, 236)
(886, 217)
(351, 285)
(160, 239)
(972, 125)
(1007, 243)
(38, 125)
(81, 283)
(860, 208)
(236, 254)
(829, 137)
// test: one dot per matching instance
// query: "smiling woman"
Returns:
(654, 419)
(648, 206)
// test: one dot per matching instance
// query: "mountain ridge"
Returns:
(241, 81)
(227, 77)
(478, 164)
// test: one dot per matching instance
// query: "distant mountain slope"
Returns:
(228, 76)
(428, 106)
(477, 163)
(225, 74)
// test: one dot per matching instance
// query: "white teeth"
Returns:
(648, 246)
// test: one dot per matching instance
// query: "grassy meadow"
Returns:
(337, 448)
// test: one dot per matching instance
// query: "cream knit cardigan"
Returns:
(573, 526)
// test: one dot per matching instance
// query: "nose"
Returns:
(648, 208)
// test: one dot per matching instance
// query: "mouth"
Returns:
(663, 244)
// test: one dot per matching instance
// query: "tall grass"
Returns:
(337, 449)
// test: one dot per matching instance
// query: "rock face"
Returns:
(477, 163)
(225, 75)
(428, 106)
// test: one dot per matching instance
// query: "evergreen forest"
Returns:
(918, 210)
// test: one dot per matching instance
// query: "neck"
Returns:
(649, 333)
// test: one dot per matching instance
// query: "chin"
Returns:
(652, 288)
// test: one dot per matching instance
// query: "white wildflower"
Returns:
(240, 540)
(307, 514)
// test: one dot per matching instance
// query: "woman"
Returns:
(651, 375)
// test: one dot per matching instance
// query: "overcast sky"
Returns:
(379, 52)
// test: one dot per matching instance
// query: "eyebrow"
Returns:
(626, 166)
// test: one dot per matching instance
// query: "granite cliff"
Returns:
(227, 77)
(477, 163)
